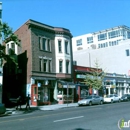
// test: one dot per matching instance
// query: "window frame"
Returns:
(127, 52)
(66, 47)
(79, 42)
(60, 46)
(60, 66)
(90, 39)
(102, 36)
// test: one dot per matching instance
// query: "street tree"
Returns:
(6, 35)
(94, 78)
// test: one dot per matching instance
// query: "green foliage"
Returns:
(95, 78)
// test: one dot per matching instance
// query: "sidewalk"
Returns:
(10, 111)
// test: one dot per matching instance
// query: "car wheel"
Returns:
(111, 101)
(101, 102)
(90, 103)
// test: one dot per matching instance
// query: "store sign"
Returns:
(68, 86)
(79, 76)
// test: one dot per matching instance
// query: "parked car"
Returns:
(112, 98)
(2, 108)
(90, 100)
(125, 97)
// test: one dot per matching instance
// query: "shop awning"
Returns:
(65, 84)
(42, 78)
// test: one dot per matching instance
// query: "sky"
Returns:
(79, 16)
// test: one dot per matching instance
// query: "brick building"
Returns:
(49, 59)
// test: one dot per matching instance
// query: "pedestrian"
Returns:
(28, 102)
(19, 100)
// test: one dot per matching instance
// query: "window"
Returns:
(127, 53)
(114, 34)
(59, 46)
(40, 64)
(60, 66)
(45, 65)
(89, 39)
(67, 66)
(44, 44)
(128, 35)
(102, 36)
(106, 44)
(40, 45)
(48, 45)
(79, 42)
(13, 46)
(66, 47)
(49, 66)
(109, 43)
(7, 48)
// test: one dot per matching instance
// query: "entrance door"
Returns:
(34, 94)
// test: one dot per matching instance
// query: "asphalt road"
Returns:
(97, 117)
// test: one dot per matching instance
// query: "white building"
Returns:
(101, 39)
(110, 48)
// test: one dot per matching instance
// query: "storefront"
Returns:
(66, 92)
(42, 92)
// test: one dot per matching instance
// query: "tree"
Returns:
(7, 35)
(94, 79)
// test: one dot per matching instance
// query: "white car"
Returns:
(112, 98)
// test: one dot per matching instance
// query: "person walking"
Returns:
(28, 102)
(19, 100)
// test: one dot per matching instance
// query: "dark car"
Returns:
(125, 97)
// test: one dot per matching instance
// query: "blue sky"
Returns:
(79, 16)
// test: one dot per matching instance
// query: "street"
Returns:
(96, 117)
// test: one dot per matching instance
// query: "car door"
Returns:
(116, 97)
(94, 99)
(97, 99)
